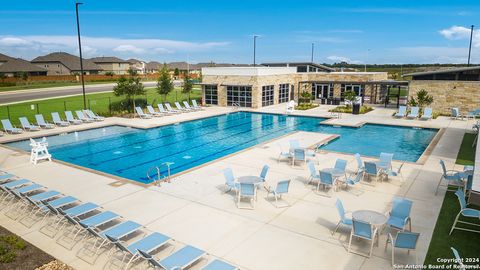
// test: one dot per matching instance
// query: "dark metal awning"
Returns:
(388, 82)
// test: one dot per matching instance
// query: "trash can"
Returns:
(356, 108)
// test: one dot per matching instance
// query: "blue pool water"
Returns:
(129, 152)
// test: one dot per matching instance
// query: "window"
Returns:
(283, 92)
(211, 94)
(357, 88)
(267, 95)
(240, 95)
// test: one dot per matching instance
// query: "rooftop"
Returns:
(72, 62)
(443, 71)
(108, 60)
(11, 65)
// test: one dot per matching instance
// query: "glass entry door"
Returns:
(323, 91)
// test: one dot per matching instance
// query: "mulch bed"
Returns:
(29, 258)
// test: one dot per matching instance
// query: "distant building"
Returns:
(112, 64)
(10, 66)
(137, 65)
(454, 87)
(61, 63)
(301, 66)
(153, 67)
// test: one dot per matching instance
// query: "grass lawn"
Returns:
(38, 85)
(99, 103)
(467, 243)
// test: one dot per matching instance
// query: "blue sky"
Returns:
(221, 30)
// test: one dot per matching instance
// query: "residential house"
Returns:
(138, 65)
(61, 63)
(112, 64)
(10, 66)
(153, 67)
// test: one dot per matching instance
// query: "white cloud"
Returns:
(36, 45)
(336, 58)
(461, 33)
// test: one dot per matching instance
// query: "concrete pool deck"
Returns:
(193, 208)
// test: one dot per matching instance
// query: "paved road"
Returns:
(32, 94)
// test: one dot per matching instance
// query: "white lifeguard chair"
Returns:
(39, 151)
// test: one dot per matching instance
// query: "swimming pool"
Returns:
(130, 152)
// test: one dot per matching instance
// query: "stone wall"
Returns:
(449, 94)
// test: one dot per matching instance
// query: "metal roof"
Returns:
(442, 71)
(296, 64)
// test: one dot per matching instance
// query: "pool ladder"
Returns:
(235, 106)
(159, 179)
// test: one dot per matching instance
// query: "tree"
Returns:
(164, 83)
(109, 73)
(130, 87)
(187, 86)
(423, 99)
(176, 72)
(132, 72)
(350, 96)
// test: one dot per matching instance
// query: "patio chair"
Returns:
(314, 176)
(456, 114)
(343, 217)
(397, 173)
(170, 109)
(299, 155)
(54, 208)
(93, 115)
(280, 189)
(399, 215)
(147, 244)
(153, 112)
(353, 181)
(427, 114)
(195, 105)
(294, 144)
(58, 121)
(71, 119)
(219, 265)
(230, 180)
(341, 164)
(86, 119)
(473, 114)
(413, 113)
(371, 169)
(263, 173)
(403, 240)
(360, 164)
(141, 114)
(27, 126)
(451, 177)
(188, 107)
(386, 160)
(249, 191)
(42, 123)
(402, 112)
(162, 109)
(362, 230)
(283, 154)
(458, 259)
(6, 187)
(9, 128)
(180, 108)
(326, 180)
(465, 212)
(180, 259)
(37, 203)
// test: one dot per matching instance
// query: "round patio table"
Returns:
(334, 171)
(373, 217)
(249, 179)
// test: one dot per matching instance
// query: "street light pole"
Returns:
(313, 48)
(254, 49)
(470, 47)
(81, 57)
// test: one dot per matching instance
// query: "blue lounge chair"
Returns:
(230, 180)
(58, 121)
(280, 189)
(195, 105)
(465, 212)
(81, 116)
(170, 109)
(180, 108)
(219, 265)
(299, 154)
(26, 124)
(473, 114)
(180, 259)
(314, 176)
(362, 230)
(37, 202)
(402, 112)
(141, 114)
(326, 180)
(152, 111)
(93, 115)
(163, 110)
(283, 154)
(458, 259)
(360, 164)
(413, 113)
(6, 176)
(9, 128)
(42, 123)
(403, 240)
(341, 164)
(371, 169)
(188, 107)
(247, 190)
(451, 177)
(427, 114)
(400, 214)
(80, 209)
(147, 244)
(71, 119)
(6, 187)
(352, 181)
(456, 114)
(343, 217)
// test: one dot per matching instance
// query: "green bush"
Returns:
(305, 106)
(126, 105)
(7, 84)
(348, 109)
(8, 245)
